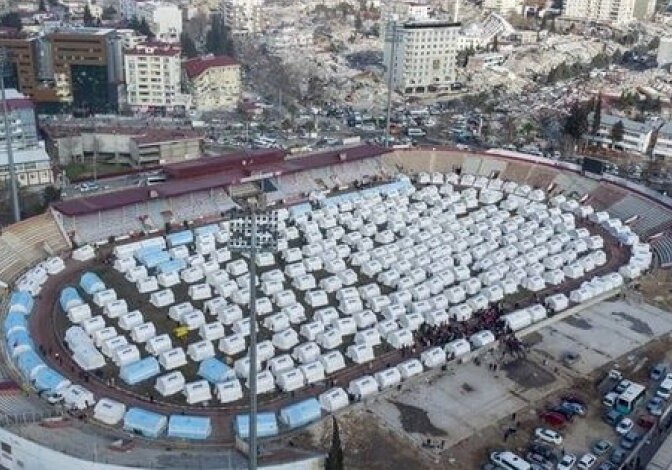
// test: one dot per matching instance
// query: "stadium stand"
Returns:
(662, 250)
(604, 196)
(649, 215)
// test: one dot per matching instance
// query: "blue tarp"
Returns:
(144, 422)
(152, 260)
(267, 425)
(180, 238)
(18, 338)
(21, 302)
(299, 209)
(206, 229)
(189, 427)
(27, 362)
(301, 413)
(48, 379)
(68, 295)
(171, 266)
(14, 321)
(139, 370)
(91, 283)
(142, 253)
(215, 371)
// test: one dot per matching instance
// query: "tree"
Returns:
(188, 46)
(144, 29)
(495, 44)
(617, 132)
(134, 24)
(218, 40)
(88, 17)
(11, 20)
(335, 457)
(597, 115)
(109, 13)
(576, 123)
(42, 6)
(358, 22)
(50, 194)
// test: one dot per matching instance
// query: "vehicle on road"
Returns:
(601, 447)
(576, 407)
(624, 426)
(630, 440)
(548, 435)
(618, 456)
(509, 460)
(655, 406)
(567, 462)
(658, 371)
(586, 461)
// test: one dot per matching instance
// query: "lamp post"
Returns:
(253, 232)
(8, 139)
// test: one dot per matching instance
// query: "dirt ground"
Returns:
(656, 288)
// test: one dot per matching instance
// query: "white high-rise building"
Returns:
(243, 16)
(421, 55)
(153, 77)
(164, 19)
(503, 7)
(611, 11)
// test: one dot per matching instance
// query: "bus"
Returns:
(630, 398)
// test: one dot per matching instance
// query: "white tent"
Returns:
(136, 273)
(333, 400)
(211, 331)
(265, 350)
(200, 291)
(109, 345)
(129, 320)
(517, 320)
(295, 312)
(284, 298)
(77, 397)
(329, 339)
(286, 339)
(109, 411)
(280, 363)
(400, 338)
(344, 326)
(191, 274)
(277, 322)
(168, 279)
(360, 353)
(197, 392)
(311, 330)
(230, 314)
(369, 337)
(232, 345)
(317, 298)
(385, 327)
(142, 333)
(411, 321)
(79, 313)
(457, 348)
(433, 357)
(193, 320)
(326, 315)
(104, 334)
(173, 358)
(437, 318)
(146, 285)
(125, 355)
(115, 308)
(409, 368)
(312, 372)
(170, 383)
(290, 380)
(557, 302)
(481, 339)
(242, 367)
(363, 387)
(229, 391)
(388, 378)
(201, 350)
(162, 298)
(394, 311)
(102, 297)
(124, 264)
(265, 382)
(159, 344)
(307, 352)
(365, 319)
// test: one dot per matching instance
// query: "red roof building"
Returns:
(213, 82)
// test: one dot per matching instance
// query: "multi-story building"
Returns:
(153, 77)
(243, 16)
(644, 9)
(664, 56)
(610, 11)
(637, 136)
(31, 161)
(22, 53)
(407, 10)
(213, 82)
(663, 147)
(504, 7)
(421, 55)
(164, 19)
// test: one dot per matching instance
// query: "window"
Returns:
(6, 448)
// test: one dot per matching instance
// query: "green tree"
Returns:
(50, 194)
(134, 24)
(617, 133)
(188, 46)
(88, 17)
(11, 20)
(576, 123)
(654, 43)
(335, 457)
(358, 22)
(109, 13)
(218, 39)
(495, 44)
(597, 115)
(144, 29)
(42, 6)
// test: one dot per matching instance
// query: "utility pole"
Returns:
(8, 139)
(390, 35)
(245, 238)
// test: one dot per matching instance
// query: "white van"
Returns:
(510, 461)
(415, 132)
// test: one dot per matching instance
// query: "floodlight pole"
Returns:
(253, 339)
(390, 36)
(8, 140)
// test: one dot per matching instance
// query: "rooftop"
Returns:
(196, 66)
(628, 124)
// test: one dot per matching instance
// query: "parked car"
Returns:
(609, 399)
(630, 440)
(576, 407)
(618, 456)
(606, 466)
(567, 412)
(53, 398)
(611, 417)
(537, 459)
(548, 435)
(544, 450)
(622, 386)
(655, 406)
(646, 421)
(567, 462)
(586, 461)
(658, 371)
(615, 374)
(601, 447)
(624, 426)
(574, 398)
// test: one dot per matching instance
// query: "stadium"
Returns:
(130, 307)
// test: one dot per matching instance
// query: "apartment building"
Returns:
(164, 19)
(22, 55)
(637, 136)
(608, 11)
(503, 7)
(663, 147)
(421, 55)
(153, 77)
(213, 82)
(243, 16)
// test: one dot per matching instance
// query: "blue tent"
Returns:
(180, 238)
(28, 362)
(144, 422)
(171, 266)
(207, 229)
(69, 297)
(15, 321)
(267, 425)
(21, 302)
(19, 338)
(139, 370)
(50, 380)
(189, 427)
(91, 283)
(300, 209)
(154, 259)
(215, 371)
(301, 413)
(142, 253)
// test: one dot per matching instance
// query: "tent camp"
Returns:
(332, 361)
(433, 357)
(145, 423)
(313, 372)
(267, 425)
(173, 358)
(76, 397)
(201, 350)
(409, 368)
(333, 400)
(115, 308)
(159, 344)
(22, 302)
(91, 283)
(69, 298)
(79, 313)
(109, 411)
(170, 384)
(301, 413)
(360, 353)
(265, 382)
(142, 333)
(139, 371)
(388, 378)
(232, 345)
(229, 391)
(290, 380)
(457, 348)
(215, 371)
(363, 387)
(197, 392)
(189, 427)
(162, 298)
